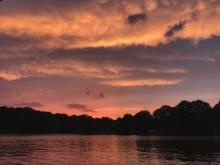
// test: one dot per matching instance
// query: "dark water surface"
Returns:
(107, 150)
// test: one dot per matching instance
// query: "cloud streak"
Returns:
(30, 104)
(80, 107)
(142, 82)
(175, 28)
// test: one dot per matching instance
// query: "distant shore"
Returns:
(195, 118)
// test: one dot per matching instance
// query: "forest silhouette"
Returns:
(186, 118)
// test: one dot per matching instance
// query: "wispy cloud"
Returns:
(80, 107)
(30, 104)
(142, 82)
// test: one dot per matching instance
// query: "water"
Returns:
(107, 150)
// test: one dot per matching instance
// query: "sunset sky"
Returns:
(108, 57)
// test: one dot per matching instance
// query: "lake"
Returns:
(107, 150)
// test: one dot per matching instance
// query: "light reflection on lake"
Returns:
(107, 150)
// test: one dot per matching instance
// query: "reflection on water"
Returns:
(107, 150)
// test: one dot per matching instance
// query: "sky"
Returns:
(108, 57)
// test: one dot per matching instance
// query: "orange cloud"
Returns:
(43, 67)
(9, 75)
(94, 26)
(142, 82)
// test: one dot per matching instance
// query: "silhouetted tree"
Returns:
(125, 124)
(142, 122)
(164, 118)
(215, 118)
(217, 106)
(187, 118)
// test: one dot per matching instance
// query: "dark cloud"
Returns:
(33, 5)
(132, 56)
(23, 43)
(175, 28)
(135, 18)
(8, 41)
(30, 104)
(80, 107)
(164, 61)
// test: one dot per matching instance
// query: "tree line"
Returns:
(186, 118)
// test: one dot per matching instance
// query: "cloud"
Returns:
(135, 18)
(175, 28)
(10, 76)
(164, 62)
(80, 107)
(30, 104)
(96, 63)
(72, 19)
(142, 82)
